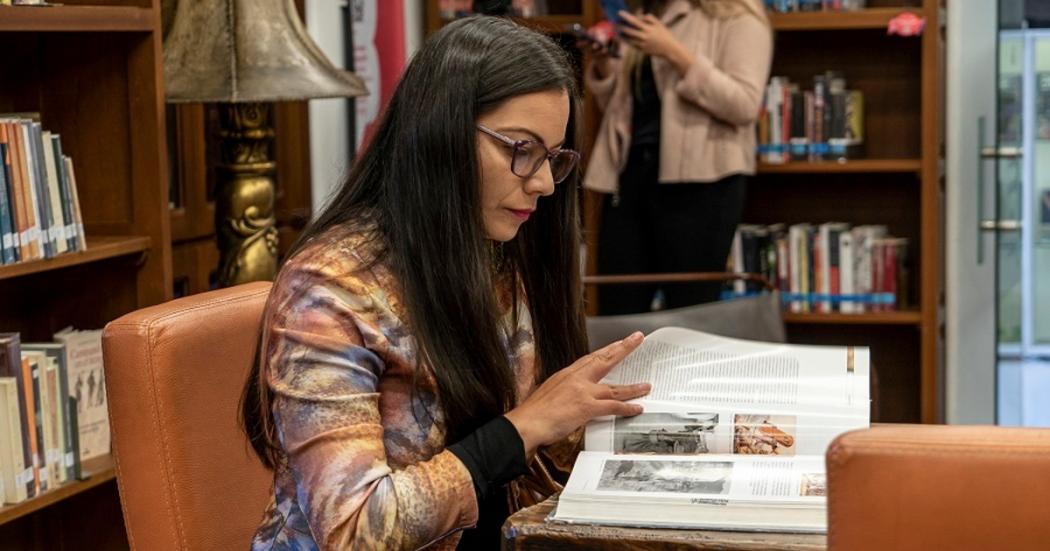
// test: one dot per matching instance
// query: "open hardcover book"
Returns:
(733, 435)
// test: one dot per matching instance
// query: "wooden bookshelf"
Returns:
(92, 70)
(551, 23)
(895, 183)
(849, 166)
(869, 18)
(904, 317)
(98, 249)
(562, 14)
(75, 19)
(99, 470)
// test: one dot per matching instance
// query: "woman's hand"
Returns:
(647, 33)
(574, 396)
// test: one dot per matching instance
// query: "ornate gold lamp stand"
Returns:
(247, 54)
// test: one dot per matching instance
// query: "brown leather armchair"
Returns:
(187, 477)
(925, 487)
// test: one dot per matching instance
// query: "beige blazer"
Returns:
(707, 121)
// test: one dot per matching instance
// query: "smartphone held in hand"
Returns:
(612, 9)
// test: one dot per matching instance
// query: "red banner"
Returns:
(379, 58)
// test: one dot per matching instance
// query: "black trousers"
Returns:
(664, 228)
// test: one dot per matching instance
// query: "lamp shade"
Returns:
(241, 51)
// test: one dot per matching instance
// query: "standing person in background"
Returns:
(676, 142)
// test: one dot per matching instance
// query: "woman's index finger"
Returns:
(607, 357)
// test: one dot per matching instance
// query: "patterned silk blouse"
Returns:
(366, 462)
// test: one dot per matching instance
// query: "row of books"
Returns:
(39, 207)
(823, 123)
(53, 411)
(825, 268)
(790, 6)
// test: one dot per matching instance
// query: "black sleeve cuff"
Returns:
(494, 454)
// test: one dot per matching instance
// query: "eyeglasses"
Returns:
(528, 156)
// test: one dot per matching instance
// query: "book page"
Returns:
(713, 479)
(718, 395)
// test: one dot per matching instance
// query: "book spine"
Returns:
(799, 142)
(40, 424)
(775, 121)
(783, 266)
(30, 440)
(5, 166)
(889, 285)
(48, 389)
(7, 245)
(58, 228)
(834, 269)
(11, 365)
(855, 121)
(70, 230)
(795, 260)
(36, 135)
(41, 212)
(821, 269)
(77, 217)
(846, 263)
(14, 476)
(74, 424)
(69, 424)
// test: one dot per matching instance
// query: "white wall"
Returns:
(329, 136)
(970, 292)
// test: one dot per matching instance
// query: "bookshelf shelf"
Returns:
(544, 23)
(76, 19)
(850, 166)
(870, 18)
(905, 317)
(551, 23)
(97, 471)
(98, 248)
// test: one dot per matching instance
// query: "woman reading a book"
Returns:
(423, 364)
(676, 141)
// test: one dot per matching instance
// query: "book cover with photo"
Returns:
(87, 387)
(733, 435)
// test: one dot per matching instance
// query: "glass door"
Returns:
(1020, 221)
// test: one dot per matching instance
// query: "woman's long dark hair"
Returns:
(418, 186)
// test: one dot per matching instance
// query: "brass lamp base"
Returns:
(244, 209)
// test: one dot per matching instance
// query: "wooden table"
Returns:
(529, 530)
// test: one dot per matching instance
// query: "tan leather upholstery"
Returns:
(929, 487)
(174, 373)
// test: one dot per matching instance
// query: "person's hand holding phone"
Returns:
(647, 33)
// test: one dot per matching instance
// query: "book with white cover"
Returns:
(732, 437)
